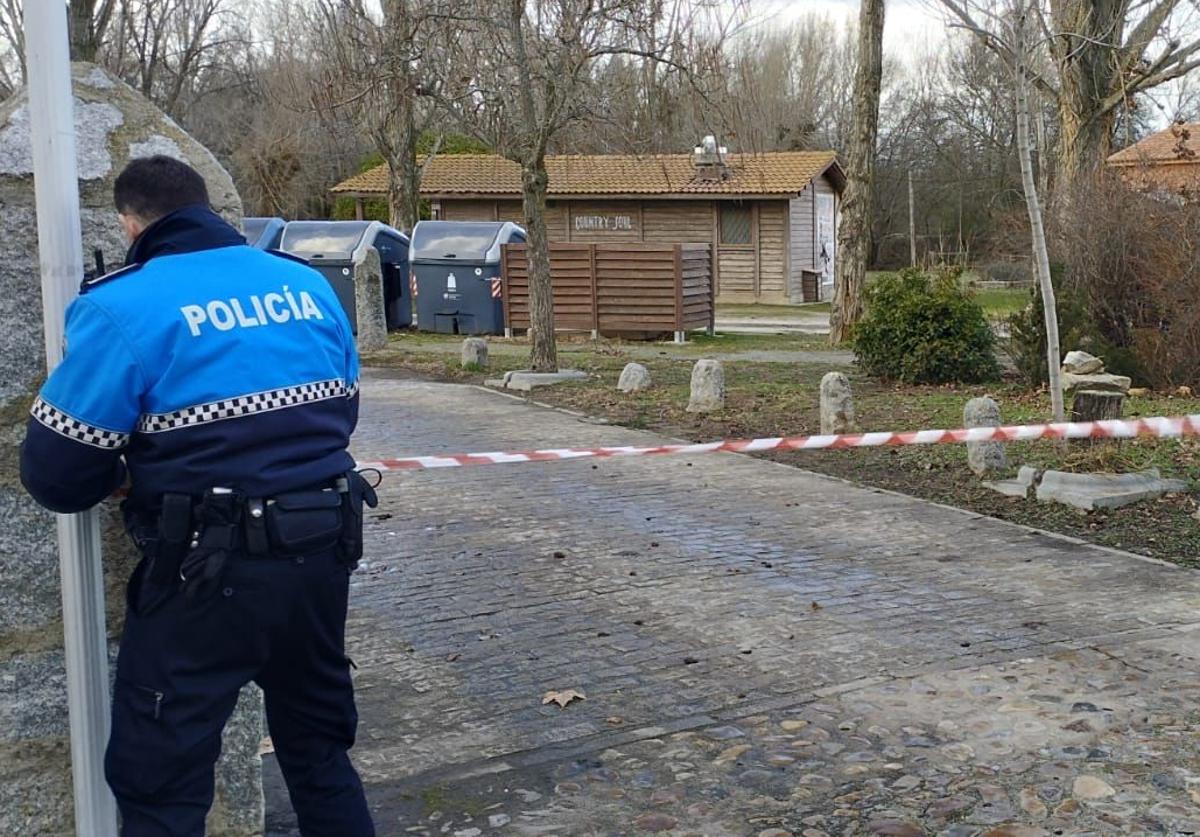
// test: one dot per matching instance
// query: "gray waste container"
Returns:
(263, 233)
(456, 275)
(335, 247)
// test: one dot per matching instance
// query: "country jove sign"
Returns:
(602, 223)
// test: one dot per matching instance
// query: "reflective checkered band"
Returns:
(73, 428)
(245, 405)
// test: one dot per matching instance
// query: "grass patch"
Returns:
(699, 344)
(756, 311)
(999, 304)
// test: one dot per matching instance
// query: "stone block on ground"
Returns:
(837, 404)
(1082, 363)
(1100, 382)
(368, 303)
(634, 378)
(1027, 477)
(528, 381)
(475, 353)
(1104, 491)
(708, 387)
(984, 458)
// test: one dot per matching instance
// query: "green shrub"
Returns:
(921, 328)
(1076, 330)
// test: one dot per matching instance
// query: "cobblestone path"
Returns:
(763, 651)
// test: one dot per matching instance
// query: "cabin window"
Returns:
(735, 224)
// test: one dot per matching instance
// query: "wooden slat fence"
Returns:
(609, 288)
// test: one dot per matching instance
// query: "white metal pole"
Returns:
(52, 127)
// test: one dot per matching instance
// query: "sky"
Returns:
(910, 27)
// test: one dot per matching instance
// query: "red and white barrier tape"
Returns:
(1164, 428)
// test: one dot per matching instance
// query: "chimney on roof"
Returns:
(709, 159)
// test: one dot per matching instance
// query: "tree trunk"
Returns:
(1088, 62)
(854, 233)
(543, 354)
(410, 171)
(395, 190)
(404, 187)
(1041, 259)
(82, 30)
(1097, 406)
(1085, 141)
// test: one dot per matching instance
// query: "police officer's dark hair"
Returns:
(151, 187)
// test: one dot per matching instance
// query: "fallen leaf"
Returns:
(563, 697)
(614, 721)
(266, 746)
(452, 657)
(816, 606)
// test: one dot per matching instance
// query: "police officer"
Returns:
(221, 381)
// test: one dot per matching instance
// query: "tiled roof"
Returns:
(769, 173)
(1177, 144)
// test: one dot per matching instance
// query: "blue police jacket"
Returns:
(202, 363)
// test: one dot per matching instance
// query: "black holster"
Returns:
(356, 492)
(217, 536)
(175, 532)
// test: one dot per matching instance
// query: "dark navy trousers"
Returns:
(279, 622)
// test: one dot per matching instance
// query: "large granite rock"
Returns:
(1082, 363)
(708, 387)
(837, 404)
(368, 302)
(984, 457)
(113, 124)
(1096, 382)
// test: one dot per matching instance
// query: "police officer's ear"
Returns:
(132, 225)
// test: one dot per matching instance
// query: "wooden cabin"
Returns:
(770, 218)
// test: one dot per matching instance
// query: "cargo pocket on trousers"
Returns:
(138, 761)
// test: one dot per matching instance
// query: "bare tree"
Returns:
(161, 47)
(88, 21)
(524, 71)
(1102, 55)
(854, 234)
(383, 70)
(1019, 25)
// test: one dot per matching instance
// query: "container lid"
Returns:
(463, 241)
(323, 239)
(256, 229)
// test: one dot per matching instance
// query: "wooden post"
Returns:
(680, 335)
(912, 224)
(359, 209)
(712, 290)
(595, 292)
(505, 293)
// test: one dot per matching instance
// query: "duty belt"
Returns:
(196, 537)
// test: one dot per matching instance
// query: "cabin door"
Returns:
(826, 241)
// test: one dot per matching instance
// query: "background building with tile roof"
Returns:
(770, 218)
(1168, 161)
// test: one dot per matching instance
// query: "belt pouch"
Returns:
(304, 521)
